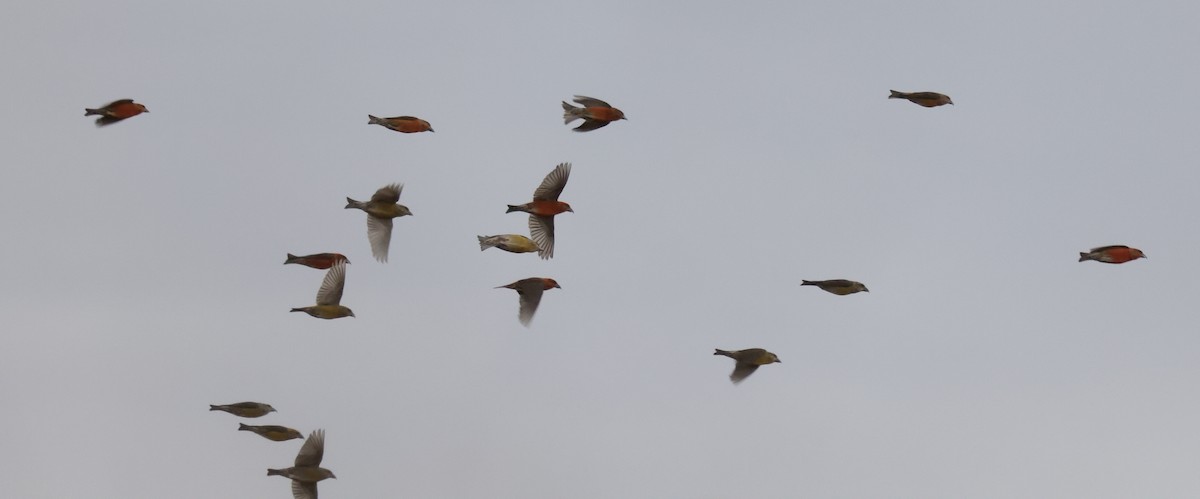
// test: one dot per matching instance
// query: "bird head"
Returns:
(858, 286)
(350, 313)
(620, 114)
(143, 108)
(1137, 253)
(405, 211)
(269, 408)
(773, 358)
(550, 283)
(568, 207)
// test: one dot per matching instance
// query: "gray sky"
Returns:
(145, 278)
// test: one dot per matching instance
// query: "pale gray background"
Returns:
(144, 277)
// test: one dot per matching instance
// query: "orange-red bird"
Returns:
(402, 124)
(595, 113)
(544, 206)
(926, 99)
(530, 290)
(318, 261)
(1112, 254)
(116, 111)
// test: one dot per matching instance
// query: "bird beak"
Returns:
(572, 210)
(432, 130)
(557, 286)
(331, 475)
(865, 290)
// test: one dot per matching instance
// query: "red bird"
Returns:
(595, 113)
(1112, 254)
(116, 111)
(530, 290)
(544, 206)
(402, 124)
(318, 261)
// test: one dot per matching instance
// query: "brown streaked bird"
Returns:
(530, 293)
(926, 99)
(595, 113)
(837, 286)
(402, 124)
(1112, 254)
(307, 470)
(272, 432)
(381, 209)
(116, 111)
(544, 207)
(244, 409)
(511, 243)
(329, 297)
(748, 361)
(320, 261)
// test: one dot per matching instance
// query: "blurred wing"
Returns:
(331, 288)
(1107, 248)
(379, 231)
(541, 230)
(554, 182)
(312, 451)
(117, 103)
(589, 125)
(389, 194)
(301, 490)
(107, 120)
(531, 294)
(741, 370)
(590, 102)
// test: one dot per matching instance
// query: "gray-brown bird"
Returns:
(381, 209)
(272, 432)
(116, 111)
(329, 297)
(748, 361)
(530, 292)
(926, 99)
(307, 470)
(244, 409)
(544, 207)
(595, 113)
(837, 286)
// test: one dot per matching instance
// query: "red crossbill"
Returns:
(544, 207)
(320, 261)
(927, 99)
(595, 113)
(403, 124)
(1112, 254)
(116, 111)
(837, 286)
(530, 293)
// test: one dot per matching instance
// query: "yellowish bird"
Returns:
(747, 361)
(272, 432)
(837, 286)
(511, 243)
(329, 297)
(307, 470)
(381, 209)
(244, 409)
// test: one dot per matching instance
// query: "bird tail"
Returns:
(512, 208)
(213, 407)
(297, 310)
(242, 426)
(896, 95)
(571, 113)
(485, 243)
(374, 120)
(350, 203)
(271, 472)
(91, 112)
(290, 259)
(723, 352)
(1084, 257)
(807, 283)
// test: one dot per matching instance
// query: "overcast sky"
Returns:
(145, 276)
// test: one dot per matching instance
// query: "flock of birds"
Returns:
(384, 206)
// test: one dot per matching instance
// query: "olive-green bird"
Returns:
(381, 209)
(244, 409)
(329, 297)
(837, 286)
(748, 361)
(512, 243)
(307, 471)
(272, 432)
